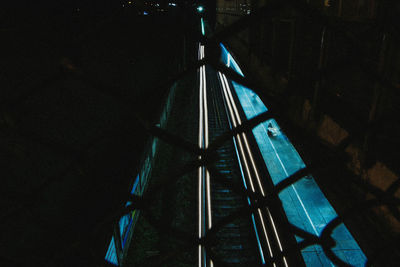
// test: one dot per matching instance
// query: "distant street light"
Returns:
(200, 9)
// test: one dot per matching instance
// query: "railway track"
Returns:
(236, 243)
(260, 238)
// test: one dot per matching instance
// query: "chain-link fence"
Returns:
(258, 15)
(274, 9)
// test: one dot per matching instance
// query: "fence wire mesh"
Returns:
(209, 156)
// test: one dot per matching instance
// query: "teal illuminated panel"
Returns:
(111, 255)
(125, 226)
(229, 61)
(202, 27)
(304, 203)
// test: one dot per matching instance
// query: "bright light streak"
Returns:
(253, 164)
(203, 174)
(202, 27)
(237, 152)
(240, 165)
(208, 190)
(275, 231)
(229, 104)
(277, 236)
(258, 240)
(228, 101)
(200, 169)
(232, 103)
(265, 232)
(200, 248)
(231, 99)
(293, 187)
(246, 163)
(236, 117)
(245, 139)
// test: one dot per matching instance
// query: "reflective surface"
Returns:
(304, 203)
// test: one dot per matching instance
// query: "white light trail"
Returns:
(200, 169)
(245, 138)
(287, 175)
(235, 117)
(206, 140)
(265, 233)
(203, 173)
(255, 170)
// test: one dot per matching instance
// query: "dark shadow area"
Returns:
(75, 77)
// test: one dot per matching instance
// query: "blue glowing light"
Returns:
(202, 27)
(111, 255)
(126, 223)
(200, 8)
(229, 61)
(304, 202)
(258, 240)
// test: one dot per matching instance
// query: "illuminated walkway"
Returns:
(304, 203)
(260, 233)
